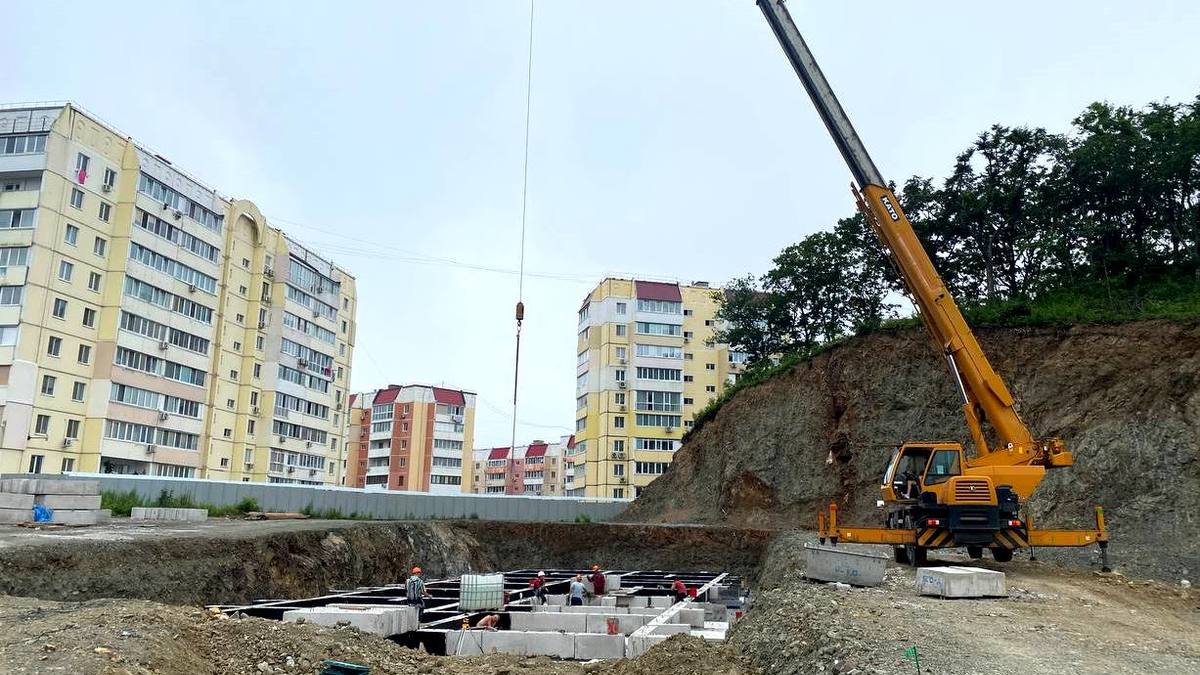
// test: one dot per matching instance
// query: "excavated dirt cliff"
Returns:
(1124, 397)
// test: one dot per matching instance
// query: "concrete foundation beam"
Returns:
(152, 513)
(961, 582)
(69, 517)
(74, 502)
(556, 600)
(636, 646)
(561, 645)
(663, 601)
(377, 621)
(459, 643)
(594, 609)
(626, 623)
(831, 563)
(549, 621)
(13, 516)
(671, 629)
(16, 500)
(50, 486)
(693, 617)
(648, 611)
(588, 647)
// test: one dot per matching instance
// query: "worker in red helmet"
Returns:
(679, 590)
(538, 584)
(414, 591)
(597, 580)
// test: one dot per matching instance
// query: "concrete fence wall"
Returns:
(371, 503)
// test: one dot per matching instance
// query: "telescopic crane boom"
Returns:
(933, 482)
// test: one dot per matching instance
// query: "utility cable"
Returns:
(520, 311)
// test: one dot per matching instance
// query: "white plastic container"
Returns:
(481, 591)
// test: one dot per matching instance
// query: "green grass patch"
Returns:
(122, 503)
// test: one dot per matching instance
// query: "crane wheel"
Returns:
(1002, 555)
(974, 552)
(900, 553)
(914, 555)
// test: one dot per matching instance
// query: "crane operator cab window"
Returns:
(906, 479)
(944, 465)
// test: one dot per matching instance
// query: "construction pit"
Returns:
(134, 598)
(635, 611)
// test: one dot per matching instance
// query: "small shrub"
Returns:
(121, 503)
(583, 518)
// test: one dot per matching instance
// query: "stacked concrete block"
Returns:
(961, 582)
(561, 645)
(591, 646)
(636, 645)
(179, 515)
(377, 620)
(662, 601)
(71, 502)
(550, 621)
(671, 629)
(626, 623)
(693, 617)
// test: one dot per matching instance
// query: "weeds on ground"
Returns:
(332, 514)
(123, 503)
(583, 518)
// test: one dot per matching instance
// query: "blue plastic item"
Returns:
(42, 514)
(342, 668)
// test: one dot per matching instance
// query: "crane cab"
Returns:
(936, 470)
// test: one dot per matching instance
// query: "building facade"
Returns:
(539, 469)
(645, 365)
(415, 438)
(149, 325)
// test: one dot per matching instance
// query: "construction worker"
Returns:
(415, 593)
(679, 590)
(597, 580)
(577, 590)
(538, 584)
(489, 622)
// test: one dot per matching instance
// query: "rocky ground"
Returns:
(1055, 621)
(134, 637)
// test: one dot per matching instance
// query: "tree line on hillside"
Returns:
(1095, 223)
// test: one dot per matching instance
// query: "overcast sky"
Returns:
(669, 139)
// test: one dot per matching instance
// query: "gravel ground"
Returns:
(1055, 621)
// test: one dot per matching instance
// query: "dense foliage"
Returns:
(1030, 227)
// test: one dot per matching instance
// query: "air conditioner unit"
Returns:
(191, 288)
(262, 325)
(621, 408)
(670, 430)
(249, 465)
(338, 406)
(622, 480)
(166, 205)
(621, 384)
(291, 469)
(178, 214)
(257, 412)
(622, 361)
(316, 313)
(282, 439)
(312, 472)
(163, 345)
(68, 442)
(302, 362)
(150, 448)
(618, 454)
(268, 272)
(308, 444)
(106, 187)
(163, 416)
(687, 340)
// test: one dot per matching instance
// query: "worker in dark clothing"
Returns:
(538, 584)
(415, 593)
(575, 594)
(597, 580)
(679, 590)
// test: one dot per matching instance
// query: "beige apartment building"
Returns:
(149, 325)
(644, 367)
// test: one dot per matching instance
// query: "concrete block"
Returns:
(550, 621)
(830, 563)
(459, 643)
(70, 517)
(693, 617)
(608, 601)
(671, 629)
(561, 645)
(557, 609)
(594, 609)
(961, 582)
(626, 623)
(50, 486)
(588, 647)
(75, 502)
(648, 611)
(13, 516)
(612, 582)
(104, 516)
(16, 500)
(635, 601)
(152, 513)
(376, 621)
(556, 600)
(636, 646)
(663, 601)
(403, 617)
(20, 485)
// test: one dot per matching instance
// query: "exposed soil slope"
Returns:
(1126, 398)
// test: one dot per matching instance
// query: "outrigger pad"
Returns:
(961, 582)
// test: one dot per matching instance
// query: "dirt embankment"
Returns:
(210, 566)
(1126, 398)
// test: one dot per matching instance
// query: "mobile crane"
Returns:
(935, 496)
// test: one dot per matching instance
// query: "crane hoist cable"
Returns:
(520, 310)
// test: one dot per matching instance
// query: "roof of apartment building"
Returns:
(449, 396)
(498, 453)
(536, 450)
(656, 290)
(392, 392)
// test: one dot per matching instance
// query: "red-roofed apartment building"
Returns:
(412, 437)
(539, 469)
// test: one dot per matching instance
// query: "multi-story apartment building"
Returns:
(645, 366)
(149, 325)
(539, 469)
(412, 437)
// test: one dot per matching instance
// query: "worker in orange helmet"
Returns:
(597, 580)
(414, 591)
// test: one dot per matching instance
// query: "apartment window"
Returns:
(224, 462)
(77, 391)
(619, 422)
(345, 303)
(72, 235)
(248, 456)
(94, 281)
(89, 317)
(68, 464)
(110, 177)
(241, 318)
(77, 198)
(404, 427)
(619, 398)
(72, 428)
(622, 308)
(621, 352)
(257, 370)
(60, 308)
(54, 345)
(342, 349)
(618, 493)
(687, 335)
(250, 426)
(100, 246)
(619, 374)
(85, 354)
(258, 343)
(243, 290)
(81, 164)
(618, 469)
(710, 366)
(620, 330)
(344, 325)
(246, 263)
(687, 378)
(41, 426)
(687, 401)
(708, 322)
(65, 270)
(237, 346)
(227, 433)
(105, 211)
(254, 398)
(48, 382)
(619, 445)
(687, 312)
(35, 461)
(687, 424)
(230, 403)
(710, 388)
(687, 356)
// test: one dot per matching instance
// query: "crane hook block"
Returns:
(520, 311)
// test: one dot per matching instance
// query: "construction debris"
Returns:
(50, 501)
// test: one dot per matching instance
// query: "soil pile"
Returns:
(1126, 398)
